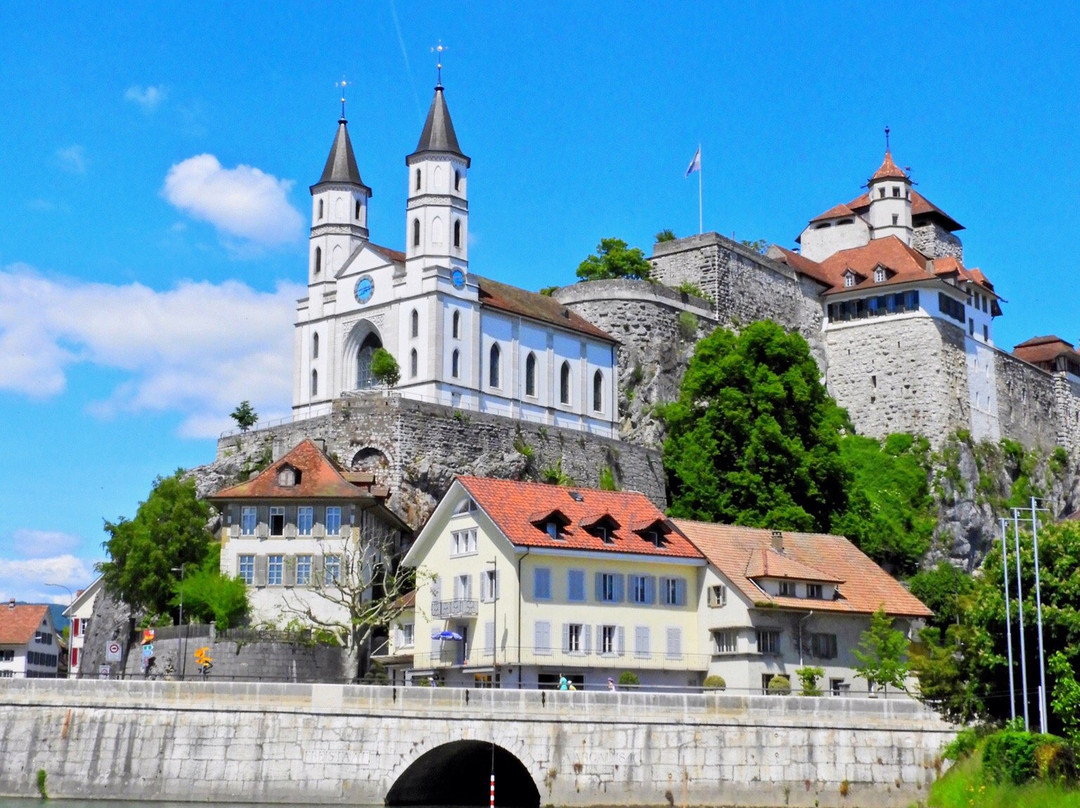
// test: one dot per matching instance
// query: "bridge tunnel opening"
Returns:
(459, 774)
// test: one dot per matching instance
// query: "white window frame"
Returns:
(332, 520)
(277, 510)
(275, 569)
(725, 641)
(245, 568)
(305, 520)
(331, 569)
(489, 586)
(717, 596)
(303, 570)
(249, 520)
(463, 542)
(768, 641)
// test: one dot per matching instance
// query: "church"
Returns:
(460, 340)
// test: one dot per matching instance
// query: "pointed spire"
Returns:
(341, 164)
(889, 170)
(438, 134)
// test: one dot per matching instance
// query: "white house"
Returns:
(79, 612)
(29, 645)
(459, 339)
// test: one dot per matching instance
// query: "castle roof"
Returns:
(341, 162)
(835, 212)
(18, 624)
(922, 209)
(863, 586)
(438, 134)
(535, 306)
(1040, 350)
(888, 170)
(521, 511)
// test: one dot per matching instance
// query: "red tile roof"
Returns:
(19, 623)
(396, 256)
(512, 505)
(1043, 349)
(320, 478)
(835, 212)
(769, 563)
(802, 265)
(535, 306)
(888, 170)
(864, 585)
(920, 207)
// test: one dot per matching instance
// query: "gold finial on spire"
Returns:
(342, 84)
(438, 49)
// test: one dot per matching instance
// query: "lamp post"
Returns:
(1008, 618)
(1020, 618)
(183, 635)
(494, 620)
(1038, 612)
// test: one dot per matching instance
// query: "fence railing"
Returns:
(458, 607)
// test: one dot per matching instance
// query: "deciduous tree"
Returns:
(882, 653)
(614, 259)
(245, 416)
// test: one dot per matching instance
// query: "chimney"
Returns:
(11, 603)
(778, 541)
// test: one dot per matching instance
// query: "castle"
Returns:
(499, 381)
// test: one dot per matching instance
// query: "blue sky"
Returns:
(154, 173)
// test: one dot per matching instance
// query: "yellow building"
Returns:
(522, 584)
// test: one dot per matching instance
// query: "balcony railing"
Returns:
(458, 607)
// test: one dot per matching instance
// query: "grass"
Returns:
(963, 787)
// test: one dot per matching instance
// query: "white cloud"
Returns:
(197, 349)
(146, 97)
(242, 202)
(72, 159)
(26, 579)
(39, 543)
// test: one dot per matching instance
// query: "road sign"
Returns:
(113, 651)
(104, 671)
(148, 650)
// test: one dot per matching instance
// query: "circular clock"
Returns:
(458, 278)
(364, 289)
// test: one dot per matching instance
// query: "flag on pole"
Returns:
(695, 164)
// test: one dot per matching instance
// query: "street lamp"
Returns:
(494, 620)
(183, 635)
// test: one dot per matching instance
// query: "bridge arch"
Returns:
(458, 773)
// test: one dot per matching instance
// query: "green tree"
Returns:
(667, 234)
(209, 596)
(1065, 697)
(385, 368)
(808, 680)
(169, 529)
(613, 259)
(882, 653)
(946, 590)
(757, 245)
(245, 416)
(753, 438)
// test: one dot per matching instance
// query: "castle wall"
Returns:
(936, 242)
(900, 374)
(416, 448)
(1067, 395)
(1027, 404)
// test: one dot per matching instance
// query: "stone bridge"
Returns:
(345, 744)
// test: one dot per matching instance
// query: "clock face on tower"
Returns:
(458, 278)
(364, 288)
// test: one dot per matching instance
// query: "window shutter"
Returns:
(234, 531)
(566, 638)
(641, 641)
(318, 572)
(620, 588)
(263, 530)
(542, 638)
(290, 529)
(260, 570)
(680, 591)
(586, 638)
(398, 638)
(289, 578)
(620, 640)
(674, 642)
(599, 586)
(650, 589)
(318, 530)
(489, 637)
(484, 581)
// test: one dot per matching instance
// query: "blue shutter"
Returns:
(586, 638)
(650, 589)
(680, 591)
(599, 586)
(620, 588)
(620, 640)
(566, 638)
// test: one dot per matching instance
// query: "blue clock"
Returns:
(458, 278)
(364, 289)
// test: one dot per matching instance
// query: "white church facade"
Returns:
(459, 339)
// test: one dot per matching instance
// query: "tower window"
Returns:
(530, 374)
(320, 208)
(318, 260)
(455, 364)
(356, 215)
(414, 363)
(314, 383)
(455, 325)
(598, 391)
(881, 193)
(896, 191)
(414, 329)
(895, 218)
(418, 179)
(457, 233)
(314, 346)
(494, 365)
(416, 232)
(457, 180)
(564, 383)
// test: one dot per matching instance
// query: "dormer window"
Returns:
(879, 275)
(552, 522)
(552, 529)
(288, 476)
(814, 591)
(849, 279)
(787, 589)
(602, 526)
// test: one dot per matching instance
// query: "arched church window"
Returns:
(314, 383)
(364, 377)
(457, 233)
(356, 214)
(414, 363)
(494, 365)
(416, 232)
(564, 383)
(320, 208)
(455, 327)
(455, 364)
(318, 260)
(314, 346)
(598, 391)
(530, 374)
(418, 179)
(414, 328)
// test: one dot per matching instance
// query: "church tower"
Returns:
(437, 212)
(339, 202)
(890, 202)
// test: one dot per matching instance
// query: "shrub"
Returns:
(628, 678)
(715, 682)
(688, 325)
(962, 745)
(1009, 757)
(779, 686)
(808, 680)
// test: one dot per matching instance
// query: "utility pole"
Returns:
(494, 620)
(1008, 618)
(1038, 612)
(1020, 615)
(183, 636)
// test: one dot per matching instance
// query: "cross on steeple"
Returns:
(438, 49)
(342, 84)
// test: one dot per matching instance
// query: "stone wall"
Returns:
(1027, 406)
(936, 242)
(417, 448)
(332, 744)
(657, 329)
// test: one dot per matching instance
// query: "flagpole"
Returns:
(700, 228)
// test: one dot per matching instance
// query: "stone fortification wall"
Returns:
(1067, 396)
(657, 329)
(417, 448)
(900, 374)
(936, 242)
(1027, 406)
(744, 285)
(332, 744)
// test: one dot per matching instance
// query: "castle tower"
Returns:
(437, 212)
(339, 202)
(890, 202)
